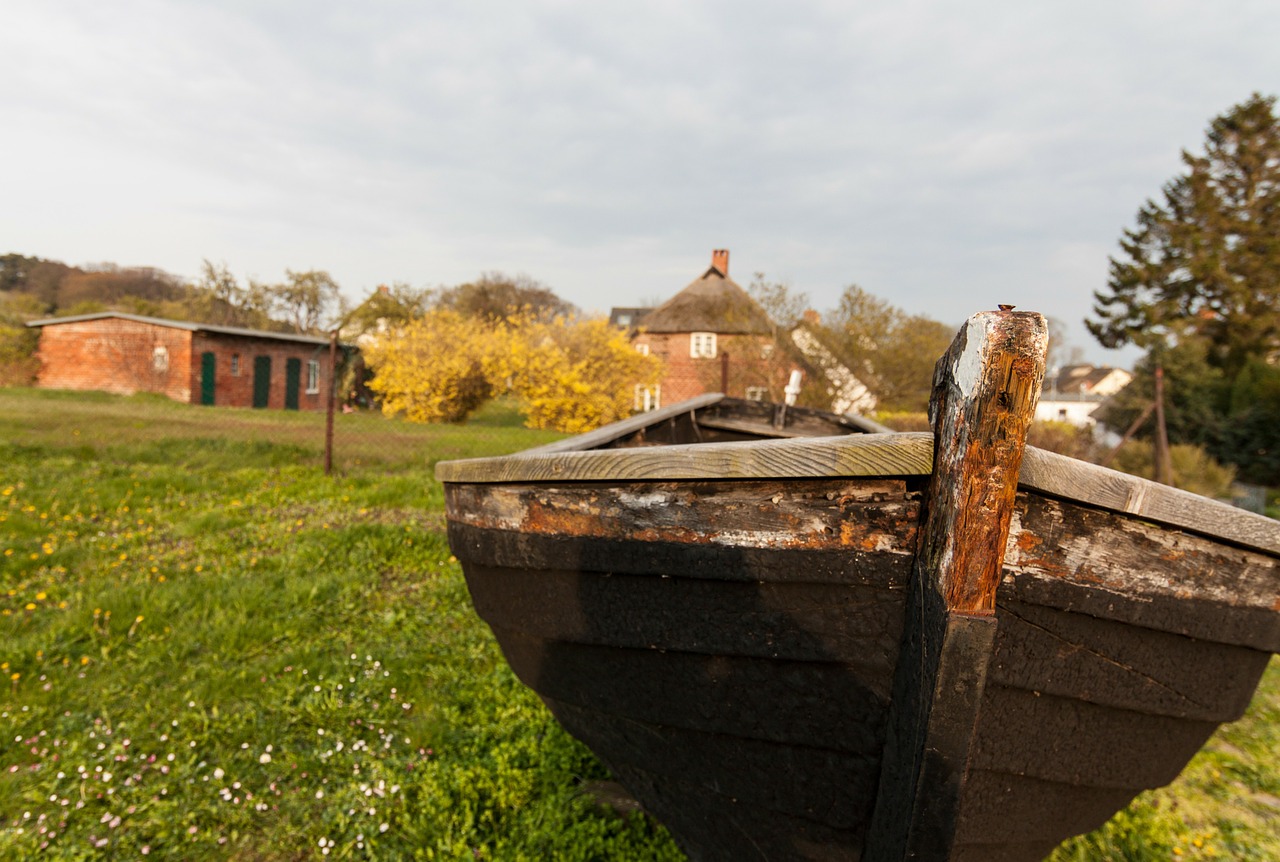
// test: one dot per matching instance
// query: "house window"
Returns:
(757, 393)
(647, 398)
(160, 358)
(702, 345)
(766, 351)
(235, 365)
(313, 376)
(642, 349)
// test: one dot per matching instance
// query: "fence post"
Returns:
(329, 405)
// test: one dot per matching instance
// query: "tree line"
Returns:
(31, 288)
(437, 354)
(1196, 284)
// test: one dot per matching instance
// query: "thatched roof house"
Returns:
(713, 302)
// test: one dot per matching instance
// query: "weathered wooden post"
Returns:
(330, 403)
(1162, 470)
(984, 397)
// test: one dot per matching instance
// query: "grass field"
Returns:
(213, 651)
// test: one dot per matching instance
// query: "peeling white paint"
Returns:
(652, 500)
(966, 371)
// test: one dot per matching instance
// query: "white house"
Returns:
(1073, 393)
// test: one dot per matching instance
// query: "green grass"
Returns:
(212, 651)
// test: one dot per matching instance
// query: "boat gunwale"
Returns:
(897, 454)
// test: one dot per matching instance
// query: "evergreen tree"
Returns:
(1205, 263)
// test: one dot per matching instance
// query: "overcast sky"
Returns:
(944, 156)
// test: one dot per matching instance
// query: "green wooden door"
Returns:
(208, 368)
(292, 382)
(261, 380)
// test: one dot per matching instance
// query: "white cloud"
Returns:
(943, 156)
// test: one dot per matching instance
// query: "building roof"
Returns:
(1089, 380)
(183, 324)
(630, 317)
(711, 303)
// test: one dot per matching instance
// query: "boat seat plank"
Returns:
(601, 437)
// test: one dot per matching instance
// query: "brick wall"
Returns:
(754, 362)
(234, 387)
(127, 356)
(113, 355)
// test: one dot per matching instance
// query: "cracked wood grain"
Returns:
(984, 396)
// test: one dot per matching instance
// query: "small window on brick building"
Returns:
(642, 349)
(757, 393)
(647, 398)
(766, 351)
(702, 345)
(160, 358)
(313, 376)
(235, 365)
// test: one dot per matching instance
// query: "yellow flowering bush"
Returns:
(574, 375)
(567, 374)
(435, 368)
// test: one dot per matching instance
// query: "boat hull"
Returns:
(728, 648)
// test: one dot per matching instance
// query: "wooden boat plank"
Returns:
(857, 624)
(609, 433)
(858, 455)
(1098, 486)
(751, 428)
(1007, 852)
(503, 548)
(1119, 665)
(835, 788)
(865, 515)
(1060, 554)
(1083, 559)
(1065, 740)
(736, 831)
(1001, 808)
(799, 703)
(906, 454)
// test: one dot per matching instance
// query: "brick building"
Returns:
(713, 338)
(195, 363)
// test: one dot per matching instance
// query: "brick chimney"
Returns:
(720, 261)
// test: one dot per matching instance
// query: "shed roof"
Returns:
(711, 303)
(183, 324)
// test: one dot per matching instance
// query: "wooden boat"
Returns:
(869, 646)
